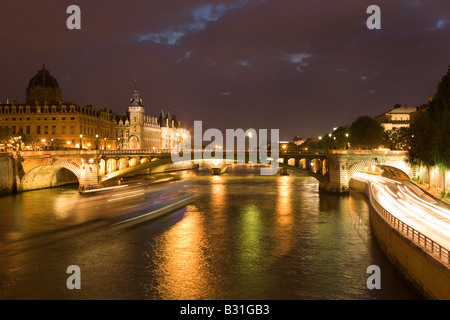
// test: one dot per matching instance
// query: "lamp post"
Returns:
(20, 143)
(81, 141)
(96, 144)
(52, 143)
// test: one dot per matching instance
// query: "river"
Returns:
(244, 236)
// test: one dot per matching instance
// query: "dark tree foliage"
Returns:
(367, 133)
(5, 134)
(430, 131)
(398, 138)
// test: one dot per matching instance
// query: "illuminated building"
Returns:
(50, 123)
(45, 122)
(136, 130)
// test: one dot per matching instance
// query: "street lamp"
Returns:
(81, 141)
(52, 142)
(96, 146)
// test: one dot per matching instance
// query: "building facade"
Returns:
(46, 122)
(396, 118)
(136, 130)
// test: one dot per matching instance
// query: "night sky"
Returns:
(301, 66)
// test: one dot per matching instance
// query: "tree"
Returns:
(366, 133)
(341, 137)
(430, 131)
(5, 136)
(398, 138)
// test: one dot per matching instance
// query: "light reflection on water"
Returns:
(244, 237)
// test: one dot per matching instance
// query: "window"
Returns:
(53, 129)
(54, 118)
(38, 129)
(63, 129)
(13, 119)
(46, 130)
(72, 118)
(28, 129)
(72, 129)
(28, 119)
(38, 118)
(63, 118)
(14, 129)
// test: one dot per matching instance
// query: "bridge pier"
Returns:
(338, 181)
(88, 178)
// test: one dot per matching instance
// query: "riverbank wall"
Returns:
(427, 274)
(7, 174)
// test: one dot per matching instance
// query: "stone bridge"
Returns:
(334, 168)
(93, 169)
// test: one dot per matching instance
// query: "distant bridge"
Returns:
(99, 168)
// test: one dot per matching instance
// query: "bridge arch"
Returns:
(47, 176)
(292, 162)
(397, 169)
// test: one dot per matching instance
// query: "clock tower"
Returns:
(136, 112)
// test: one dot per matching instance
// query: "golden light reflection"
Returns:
(218, 192)
(359, 215)
(182, 262)
(283, 238)
(250, 240)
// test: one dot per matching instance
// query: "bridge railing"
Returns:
(424, 242)
(137, 151)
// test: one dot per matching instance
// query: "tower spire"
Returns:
(136, 101)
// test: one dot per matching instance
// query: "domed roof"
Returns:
(44, 79)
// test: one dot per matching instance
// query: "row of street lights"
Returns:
(330, 135)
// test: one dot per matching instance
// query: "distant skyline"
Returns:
(303, 67)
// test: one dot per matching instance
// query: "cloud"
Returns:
(187, 55)
(199, 18)
(298, 59)
(166, 37)
(243, 63)
(440, 24)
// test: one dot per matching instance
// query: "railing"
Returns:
(424, 242)
(137, 151)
